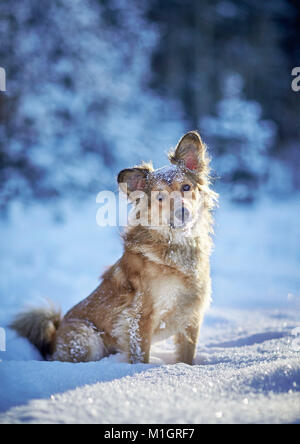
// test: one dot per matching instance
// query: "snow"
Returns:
(169, 174)
(247, 368)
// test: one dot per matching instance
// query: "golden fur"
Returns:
(161, 285)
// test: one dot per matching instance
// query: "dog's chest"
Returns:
(170, 305)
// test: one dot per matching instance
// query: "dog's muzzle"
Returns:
(181, 216)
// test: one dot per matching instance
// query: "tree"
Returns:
(242, 141)
(203, 41)
(77, 105)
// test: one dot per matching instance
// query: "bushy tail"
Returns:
(39, 327)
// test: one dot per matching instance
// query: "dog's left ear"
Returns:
(190, 152)
(134, 179)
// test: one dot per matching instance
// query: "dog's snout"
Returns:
(182, 215)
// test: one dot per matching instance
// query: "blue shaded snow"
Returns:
(247, 367)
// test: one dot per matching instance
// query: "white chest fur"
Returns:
(170, 306)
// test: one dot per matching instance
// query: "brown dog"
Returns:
(161, 285)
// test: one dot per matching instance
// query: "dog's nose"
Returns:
(182, 215)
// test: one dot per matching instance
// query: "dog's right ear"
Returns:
(133, 179)
(190, 152)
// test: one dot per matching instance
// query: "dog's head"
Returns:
(172, 197)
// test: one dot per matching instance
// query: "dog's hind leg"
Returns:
(78, 341)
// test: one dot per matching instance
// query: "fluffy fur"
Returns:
(161, 285)
(39, 325)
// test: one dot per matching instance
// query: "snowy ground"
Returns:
(248, 362)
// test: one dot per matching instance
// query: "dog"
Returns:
(161, 286)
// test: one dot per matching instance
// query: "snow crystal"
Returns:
(169, 174)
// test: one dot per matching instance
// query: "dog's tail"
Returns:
(39, 326)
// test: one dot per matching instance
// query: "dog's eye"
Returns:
(185, 188)
(160, 197)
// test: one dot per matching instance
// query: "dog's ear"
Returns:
(133, 179)
(190, 152)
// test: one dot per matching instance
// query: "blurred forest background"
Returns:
(96, 85)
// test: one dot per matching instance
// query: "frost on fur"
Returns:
(134, 334)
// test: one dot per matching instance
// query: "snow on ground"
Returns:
(247, 366)
(249, 372)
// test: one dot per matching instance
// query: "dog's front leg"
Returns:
(186, 344)
(139, 339)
